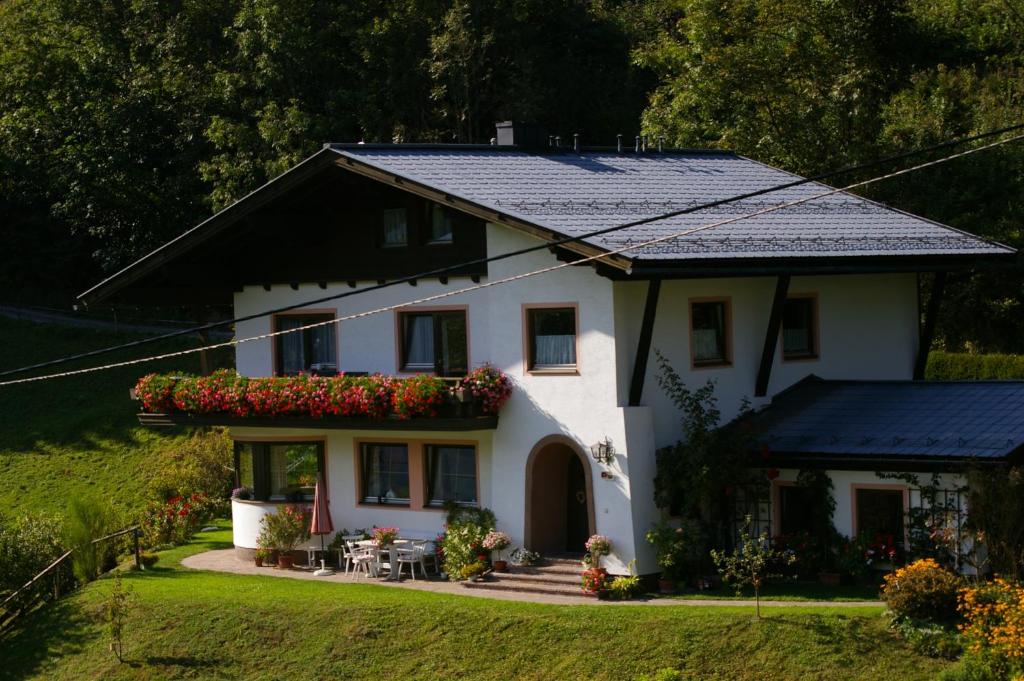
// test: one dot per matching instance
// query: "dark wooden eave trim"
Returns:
(485, 213)
(873, 462)
(643, 345)
(809, 266)
(771, 336)
(332, 423)
(927, 330)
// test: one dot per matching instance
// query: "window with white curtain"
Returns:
(395, 227)
(799, 331)
(451, 474)
(310, 350)
(279, 471)
(441, 220)
(552, 338)
(434, 341)
(385, 473)
(709, 332)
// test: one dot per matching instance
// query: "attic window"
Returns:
(709, 333)
(441, 220)
(799, 329)
(395, 227)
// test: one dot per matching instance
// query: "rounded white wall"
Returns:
(247, 519)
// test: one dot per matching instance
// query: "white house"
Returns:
(829, 288)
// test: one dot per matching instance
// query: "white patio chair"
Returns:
(411, 557)
(345, 561)
(427, 556)
(363, 560)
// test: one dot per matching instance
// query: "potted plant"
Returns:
(597, 546)
(672, 546)
(474, 572)
(385, 536)
(242, 493)
(524, 557)
(261, 555)
(497, 542)
(593, 581)
(284, 530)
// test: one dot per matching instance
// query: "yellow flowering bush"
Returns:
(994, 623)
(922, 590)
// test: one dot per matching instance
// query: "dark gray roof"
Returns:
(575, 193)
(895, 419)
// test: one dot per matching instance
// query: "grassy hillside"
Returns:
(62, 437)
(189, 624)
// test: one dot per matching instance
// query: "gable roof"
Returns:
(870, 422)
(566, 193)
(573, 193)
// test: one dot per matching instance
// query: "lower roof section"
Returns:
(899, 425)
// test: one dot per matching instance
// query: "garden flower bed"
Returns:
(225, 395)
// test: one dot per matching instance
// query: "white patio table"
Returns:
(393, 576)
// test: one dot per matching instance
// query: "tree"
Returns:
(750, 563)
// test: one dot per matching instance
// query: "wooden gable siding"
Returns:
(327, 229)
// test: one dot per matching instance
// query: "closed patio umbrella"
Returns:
(321, 524)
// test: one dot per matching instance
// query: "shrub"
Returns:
(677, 548)
(624, 588)
(174, 521)
(148, 559)
(28, 544)
(284, 529)
(959, 366)
(202, 464)
(465, 532)
(922, 590)
(89, 518)
(994, 626)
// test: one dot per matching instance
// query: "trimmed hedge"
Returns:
(962, 366)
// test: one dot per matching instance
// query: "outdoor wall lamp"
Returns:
(603, 452)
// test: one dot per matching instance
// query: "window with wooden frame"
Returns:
(800, 328)
(394, 227)
(279, 471)
(310, 350)
(793, 503)
(551, 339)
(384, 473)
(450, 474)
(434, 341)
(880, 513)
(709, 333)
(441, 225)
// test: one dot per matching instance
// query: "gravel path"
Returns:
(224, 560)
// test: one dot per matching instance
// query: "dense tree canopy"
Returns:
(124, 122)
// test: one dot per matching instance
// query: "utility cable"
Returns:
(517, 277)
(450, 269)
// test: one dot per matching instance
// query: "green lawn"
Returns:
(189, 624)
(67, 436)
(790, 591)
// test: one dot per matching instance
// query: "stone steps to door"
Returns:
(558, 576)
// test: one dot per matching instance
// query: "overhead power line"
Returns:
(511, 254)
(517, 277)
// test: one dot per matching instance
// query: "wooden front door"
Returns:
(576, 516)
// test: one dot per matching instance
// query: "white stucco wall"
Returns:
(867, 325)
(868, 330)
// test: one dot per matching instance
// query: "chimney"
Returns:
(522, 135)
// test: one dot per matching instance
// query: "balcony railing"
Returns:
(347, 402)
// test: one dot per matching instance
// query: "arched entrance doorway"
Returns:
(559, 498)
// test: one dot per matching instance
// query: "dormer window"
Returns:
(441, 221)
(395, 227)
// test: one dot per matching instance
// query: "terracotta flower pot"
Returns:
(500, 566)
(666, 586)
(259, 561)
(285, 561)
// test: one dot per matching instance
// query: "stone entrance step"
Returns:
(560, 576)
